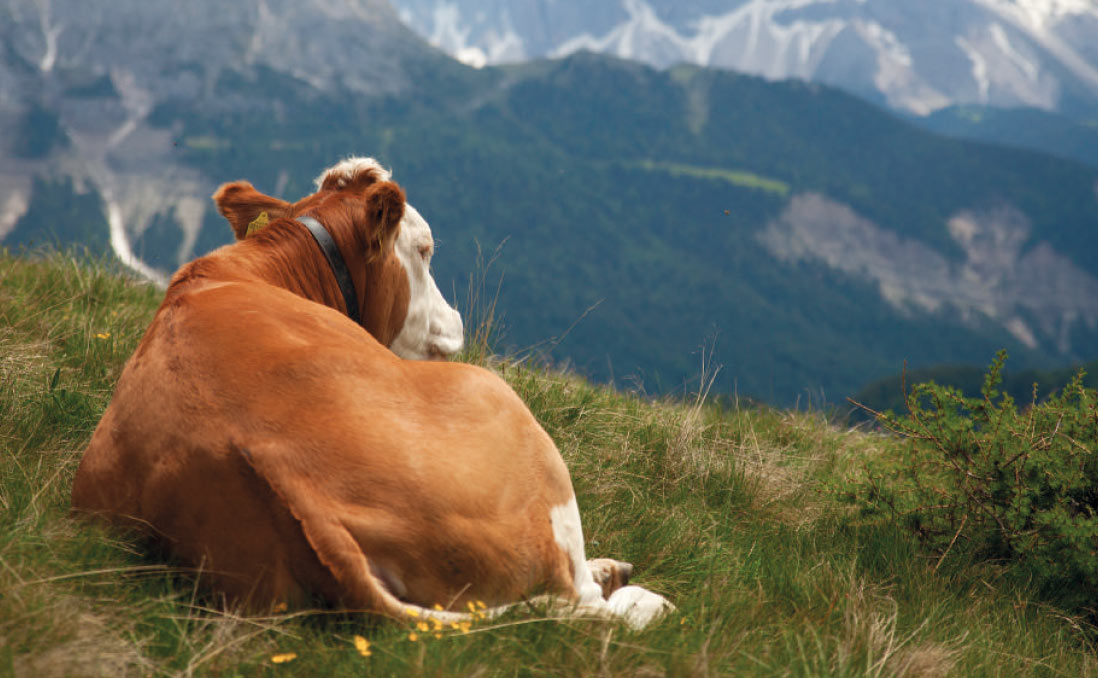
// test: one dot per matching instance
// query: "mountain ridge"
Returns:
(640, 193)
(1028, 128)
(102, 70)
(917, 59)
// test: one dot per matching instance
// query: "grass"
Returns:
(730, 512)
(739, 178)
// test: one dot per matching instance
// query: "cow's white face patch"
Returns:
(432, 328)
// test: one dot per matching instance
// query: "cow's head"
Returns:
(430, 327)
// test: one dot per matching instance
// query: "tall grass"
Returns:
(727, 511)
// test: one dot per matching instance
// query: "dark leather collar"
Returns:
(335, 260)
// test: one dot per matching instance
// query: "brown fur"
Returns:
(240, 203)
(270, 441)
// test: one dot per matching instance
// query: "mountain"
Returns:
(653, 220)
(916, 57)
(80, 83)
(1031, 128)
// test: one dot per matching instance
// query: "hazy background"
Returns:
(807, 193)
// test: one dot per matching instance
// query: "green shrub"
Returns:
(977, 474)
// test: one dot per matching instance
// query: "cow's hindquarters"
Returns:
(213, 514)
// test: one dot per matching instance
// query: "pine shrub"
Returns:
(979, 475)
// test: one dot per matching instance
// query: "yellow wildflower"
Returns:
(437, 622)
(437, 607)
(102, 335)
(422, 626)
(413, 637)
(481, 605)
(283, 658)
(411, 612)
(465, 626)
(363, 646)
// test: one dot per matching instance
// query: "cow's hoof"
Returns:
(610, 574)
(639, 607)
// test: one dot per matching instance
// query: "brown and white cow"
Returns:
(270, 441)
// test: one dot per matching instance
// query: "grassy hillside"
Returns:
(729, 512)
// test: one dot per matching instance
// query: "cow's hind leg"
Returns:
(638, 607)
(610, 574)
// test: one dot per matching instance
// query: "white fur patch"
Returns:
(638, 607)
(634, 605)
(348, 170)
(432, 328)
(568, 533)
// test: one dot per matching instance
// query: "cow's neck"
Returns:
(342, 275)
(292, 260)
(386, 296)
(284, 254)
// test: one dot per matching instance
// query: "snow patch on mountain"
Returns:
(1042, 19)
(918, 57)
(149, 54)
(452, 34)
(643, 37)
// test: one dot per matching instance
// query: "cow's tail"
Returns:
(438, 620)
(359, 587)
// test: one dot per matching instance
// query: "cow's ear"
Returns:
(384, 210)
(241, 204)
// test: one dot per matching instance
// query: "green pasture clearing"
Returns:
(740, 178)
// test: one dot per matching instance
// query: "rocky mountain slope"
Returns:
(79, 81)
(805, 240)
(917, 57)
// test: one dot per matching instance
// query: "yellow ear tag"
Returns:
(258, 224)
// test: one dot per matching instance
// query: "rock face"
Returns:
(355, 43)
(1036, 294)
(103, 66)
(915, 56)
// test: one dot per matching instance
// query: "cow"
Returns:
(429, 328)
(288, 454)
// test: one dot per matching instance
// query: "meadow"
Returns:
(735, 511)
